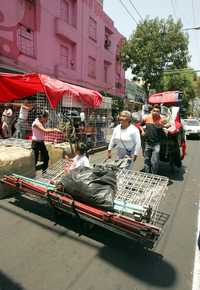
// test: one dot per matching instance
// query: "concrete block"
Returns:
(15, 160)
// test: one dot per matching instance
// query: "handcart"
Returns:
(135, 215)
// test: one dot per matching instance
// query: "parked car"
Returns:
(191, 127)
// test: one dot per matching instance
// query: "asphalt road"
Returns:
(38, 254)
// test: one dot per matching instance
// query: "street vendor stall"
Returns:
(168, 97)
(65, 103)
(48, 93)
(15, 87)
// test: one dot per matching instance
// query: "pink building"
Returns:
(72, 40)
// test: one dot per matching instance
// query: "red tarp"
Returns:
(15, 87)
(164, 98)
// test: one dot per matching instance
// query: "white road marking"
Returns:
(196, 272)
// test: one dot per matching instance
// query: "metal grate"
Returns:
(141, 190)
(15, 142)
(138, 194)
(57, 170)
(97, 131)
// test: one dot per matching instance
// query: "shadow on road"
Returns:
(176, 174)
(6, 283)
(121, 253)
(146, 266)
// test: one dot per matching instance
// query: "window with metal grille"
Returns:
(65, 11)
(92, 67)
(26, 40)
(92, 29)
(64, 56)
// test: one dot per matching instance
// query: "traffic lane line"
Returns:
(196, 272)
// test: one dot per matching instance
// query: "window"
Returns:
(107, 42)
(92, 29)
(107, 38)
(92, 67)
(106, 71)
(64, 11)
(26, 40)
(64, 56)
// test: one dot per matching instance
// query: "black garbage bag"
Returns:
(95, 186)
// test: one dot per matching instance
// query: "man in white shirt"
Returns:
(126, 138)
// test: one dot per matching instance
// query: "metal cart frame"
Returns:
(138, 192)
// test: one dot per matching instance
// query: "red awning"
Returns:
(164, 98)
(16, 86)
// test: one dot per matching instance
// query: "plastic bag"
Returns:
(95, 186)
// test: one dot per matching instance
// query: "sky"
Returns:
(186, 10)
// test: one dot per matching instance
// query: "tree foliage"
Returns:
(155, 46)
(181, 81)
(197, 86)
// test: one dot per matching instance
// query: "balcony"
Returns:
(66, 74)
(65, 30)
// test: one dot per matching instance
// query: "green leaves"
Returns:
(182, 81)
(156, 45)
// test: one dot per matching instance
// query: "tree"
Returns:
(181, 81)
(197, 86)
(155, 46)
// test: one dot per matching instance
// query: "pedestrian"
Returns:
(126, 138)
(136, 115)
(82, 116)
(22, 122)
(79, 160)
(152, 134)
(7, 118)
(38, 133)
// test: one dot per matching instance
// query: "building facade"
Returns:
(72, 40)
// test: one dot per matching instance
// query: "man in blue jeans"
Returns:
(153, 133)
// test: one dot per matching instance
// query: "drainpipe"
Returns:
(82, 40)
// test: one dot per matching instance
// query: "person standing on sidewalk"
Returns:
(126, 138)
(22, 122)
(38, 133)
(152, 134)
(7, 121)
